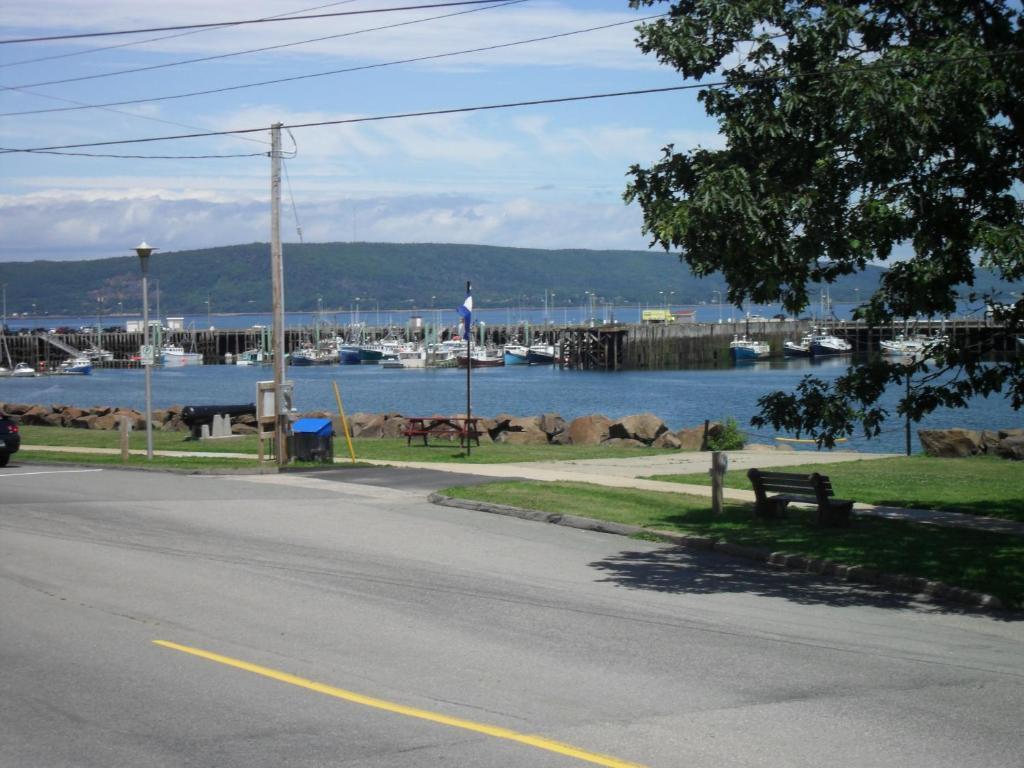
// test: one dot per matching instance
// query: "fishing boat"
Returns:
(76, 366)
(175, 356)
(902, 346)
(310, 355)
(745, 348)
(516, 354)
(800, 348)
(483, 357)
(414, 357)
(824, 344)
(252, 357)
(541, 354)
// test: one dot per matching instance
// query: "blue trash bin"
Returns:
(313, 440)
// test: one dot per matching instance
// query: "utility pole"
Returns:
(277, 278)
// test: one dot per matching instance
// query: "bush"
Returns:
(728, 438)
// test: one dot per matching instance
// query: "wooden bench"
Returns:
(445, 427)
(785, 487)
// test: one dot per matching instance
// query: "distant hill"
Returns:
(419, 275)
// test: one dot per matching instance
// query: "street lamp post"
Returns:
(144, 251)
(719, 303)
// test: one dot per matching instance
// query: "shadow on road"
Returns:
(684, 571)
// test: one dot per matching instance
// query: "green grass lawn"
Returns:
(365, 448)
(980, 485)
(988, 562)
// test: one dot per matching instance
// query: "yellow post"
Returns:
(344, 421)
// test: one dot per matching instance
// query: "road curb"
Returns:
(857, 574)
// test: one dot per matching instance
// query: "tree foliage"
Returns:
(854, 131)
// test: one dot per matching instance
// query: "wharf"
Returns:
(608, 347)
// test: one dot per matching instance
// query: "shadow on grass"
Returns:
(679, 570)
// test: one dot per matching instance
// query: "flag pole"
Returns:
(468, 332)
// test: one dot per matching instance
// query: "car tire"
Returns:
(4, 458)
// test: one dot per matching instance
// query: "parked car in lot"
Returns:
(10, 439)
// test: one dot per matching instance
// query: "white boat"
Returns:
(800, 348)
(23, 370)
(76, 366)
(97, 355)
(823, 344)
(542, 354)
(902, 346)
(175, 356)
(408, 358)
(310, 355)
(744, 348)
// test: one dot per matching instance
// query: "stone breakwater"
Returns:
(957, 443)
(643, 429)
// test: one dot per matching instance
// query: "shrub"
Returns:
(729, 438)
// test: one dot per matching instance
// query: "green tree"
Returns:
(854, 131)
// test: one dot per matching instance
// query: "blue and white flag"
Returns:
(466, 311)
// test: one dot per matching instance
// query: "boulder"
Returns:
(16, 409)
(112, 421)
(367, 425)
(54, 420)
(666, 440)
(524, 437)
(989, 441)
(84, 422)
(950, 443)
(1004, 433)
(36, 415)
(693, 439)
(243, 429)
(553, 424)
(1011, 447)
(644, 427)
(70, 413)
(523, 424)
(392, 427)
(589, 430)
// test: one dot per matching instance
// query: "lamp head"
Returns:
(144, 250)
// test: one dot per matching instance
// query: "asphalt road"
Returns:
(153, 619)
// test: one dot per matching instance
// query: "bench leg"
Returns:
(771, 509)
(834, 515)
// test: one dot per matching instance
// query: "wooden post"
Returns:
(719, 462)
(126, 429)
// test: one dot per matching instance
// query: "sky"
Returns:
(545, 176)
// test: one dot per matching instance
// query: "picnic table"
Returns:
(446, 427)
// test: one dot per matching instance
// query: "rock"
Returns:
(1011, 447)
(84, 422)
(524, 437)
(367, 425)
(624, 442)
(392, 427)
(666, 440)
(589, 430)
(54, 420)
(243, 429)
(989, 441)
(36, 415)
(645, 427)
(950, 443)
(16, 409)
(1004, 433)
(553, 424)
(523, 424)
(109, 421)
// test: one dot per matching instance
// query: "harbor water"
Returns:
(682, 398)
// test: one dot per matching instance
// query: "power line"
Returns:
(150, 40)
(509, 105)
(81, 35)
(345, 70)
(138, 157)
(264, 49)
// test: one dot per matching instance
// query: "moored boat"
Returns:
(515, 354)
(76, 366)
(744, 348)
(175, 356)
(541, 354)
(23, 370)
(824, 344)
(483, 357)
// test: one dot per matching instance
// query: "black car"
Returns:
(10, 440)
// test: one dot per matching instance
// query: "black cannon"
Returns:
(195, 416)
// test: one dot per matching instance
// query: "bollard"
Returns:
(719, 463)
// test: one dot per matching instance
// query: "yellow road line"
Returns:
(400, 709)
